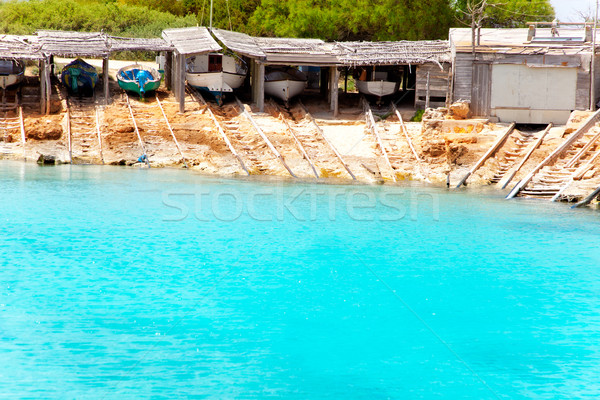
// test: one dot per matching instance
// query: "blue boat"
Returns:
(79, 77)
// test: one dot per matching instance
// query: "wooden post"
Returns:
(260, 77)
(48, 87)
(334, 77)
(106, 81)
(175, 75)
(168, 69)
(181, 83)
(427, 93)
(42, 74)
(346, 80)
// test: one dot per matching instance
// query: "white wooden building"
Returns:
(524, 75)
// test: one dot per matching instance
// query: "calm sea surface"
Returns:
(133, 284)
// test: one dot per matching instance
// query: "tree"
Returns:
(505, 13)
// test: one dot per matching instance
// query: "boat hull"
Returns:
(377, 88)
(9, 80)
(12, 73)
(130, 80)
(215, 83)
(79, 77)
(284, 89)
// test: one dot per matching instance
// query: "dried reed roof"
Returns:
(240, 43)
(138, 44)
(392, 53)
(74, 44)
(19, 47)
(194, 40)
(297, 51)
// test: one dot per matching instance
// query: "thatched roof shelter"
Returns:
(194, 40)
(240, 43)
(290, 51)
(393, 53)
(138, 44)
(74, 44)
(19, 47)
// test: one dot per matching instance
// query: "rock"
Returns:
(46, 160)
(460, 110)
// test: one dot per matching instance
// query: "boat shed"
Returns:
(92, 45)
(431, 59)
(185, 42)
(525, 75)
(74, 44)
(26, 48)
(266, 51)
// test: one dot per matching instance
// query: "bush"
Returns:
(418, 116)
(27, 17)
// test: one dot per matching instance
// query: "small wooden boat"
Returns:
(79, 77)
(12, 73)
(379, 87)
(285, 83)
(216, 74)
(139, 79)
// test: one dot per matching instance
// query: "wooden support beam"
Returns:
(334, 77)
(42, 75)
(106, 81)
(175, 76)
(488, 154)
(427, 93)
(48, 86)
(181, 89)
(169, 69)
(260, 87)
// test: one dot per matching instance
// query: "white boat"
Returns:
(12, 72)
(285, 83)
(379, 86)
(215, 73)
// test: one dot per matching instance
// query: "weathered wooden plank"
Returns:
(488, 154)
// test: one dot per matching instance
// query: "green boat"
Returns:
(139, 79)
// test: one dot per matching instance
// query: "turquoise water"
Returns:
(127, 284)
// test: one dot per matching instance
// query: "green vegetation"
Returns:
(26, 17)
(326, 19)
(418, 116)
(505, 14)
